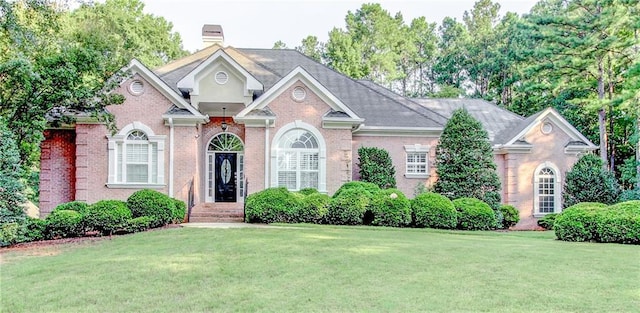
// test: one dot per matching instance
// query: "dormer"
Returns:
(219, 82)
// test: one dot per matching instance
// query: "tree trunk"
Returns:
(602, 118)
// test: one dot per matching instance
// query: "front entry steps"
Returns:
(219, 212)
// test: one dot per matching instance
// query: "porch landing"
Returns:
(219, 212)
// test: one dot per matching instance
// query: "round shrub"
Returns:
(107, 216)
(390, 207)
(578, 222)
(33, 229)
(308, 191)
(314, 208)
(349, 207)
(77, 206)
(64, 223)
(474, 214)
(179, 211)
(371, 188)
(9, 233)
(547, 221)
(273, 205)
(138, 224)
(434, 211)
(511, 216)
(147, 202)
(619, 223)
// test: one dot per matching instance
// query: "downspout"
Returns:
(171, 157)
(266, 154)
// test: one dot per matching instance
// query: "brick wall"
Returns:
(57, 169)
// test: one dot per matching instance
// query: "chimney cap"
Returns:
(210, 30)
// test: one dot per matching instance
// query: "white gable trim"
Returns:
(299, 74)
(188, 82)
(136, 67)
(553, 115)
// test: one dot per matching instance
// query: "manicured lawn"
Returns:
(323, 268)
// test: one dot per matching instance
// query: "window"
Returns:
(547, 189)
(417, 161)
(298, 158)
(136, 158)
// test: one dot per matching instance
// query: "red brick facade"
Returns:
(57, 169)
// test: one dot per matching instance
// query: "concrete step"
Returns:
(196, 219)
(220, 212)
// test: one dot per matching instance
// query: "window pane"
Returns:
(137, 173)
(119, 162)
(288, 161)
(137, 153)
(287, 179)
(309, 180)
(154, 163)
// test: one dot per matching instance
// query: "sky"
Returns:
(259, 24)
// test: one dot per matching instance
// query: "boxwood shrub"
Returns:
(511, 216)
(179, 211)
(107, 216)
(9, 233)
(273, 205)
(63, 224)
(474, 214)
(547, 221)
(371, 188)
(349, 207)
(619, 223)
(138, 224)
(578, 222)
(147, 202)
(390, 207)
(77, 206)
(33, 229)
(308, 191)
(314, 208)
(434, 211)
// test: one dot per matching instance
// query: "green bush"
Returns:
(474, 214)
(77, 206)
(314, 208)
(308, 191)
(12, 189)
(349, 207)
(376, 167)
(619, 223)
(63, 224)
(179, 211)
(371, 188)
(434, 211)
(107, 216)
(547, 221)
(147, 202)
(511, 216)
(587, 181)
(138, 224)
(390, 207)
(9, 233)
(578, 222)
(33, 229)
(273, 205)
(628, 195)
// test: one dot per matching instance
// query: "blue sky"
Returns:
(258, 24)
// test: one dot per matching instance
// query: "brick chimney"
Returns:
(212, 34)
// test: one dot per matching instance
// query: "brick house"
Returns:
(225, 122)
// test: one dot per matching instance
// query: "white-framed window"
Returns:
(298, 158)
(547, 189)
(136, 158)
(417, 161)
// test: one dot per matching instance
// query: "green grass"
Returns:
(323, 268)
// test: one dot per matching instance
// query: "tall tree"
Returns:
(312, 48)
(452, 60)
(280, 45)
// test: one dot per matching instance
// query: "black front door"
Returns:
(226, 177)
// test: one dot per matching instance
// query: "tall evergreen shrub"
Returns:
(376, 167)
(11, 187)
(464, 161)
(587, 181)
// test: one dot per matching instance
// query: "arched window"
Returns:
(136, 157)
(298, 160)
(547, 189)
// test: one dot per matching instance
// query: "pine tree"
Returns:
(464, 161)
(376, 167)
(11, 188)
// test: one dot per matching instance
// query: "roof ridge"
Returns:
(173, 63)
(483, 100)
(239, 50)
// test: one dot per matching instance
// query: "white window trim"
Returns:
(322, 153)
(416, 148)
(120, 138)
(557, 187)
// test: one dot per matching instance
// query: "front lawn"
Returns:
(309, 268)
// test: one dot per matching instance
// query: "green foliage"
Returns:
(474, 214)
(272, 205)
(11, 187)
(33, 229)
(587, 181)
(147, 202)
(348, 207)
(308, 191)
(434, 211)
(628, 195)
(138, 224)
(314, 208)
(179, 212)
(619, 223)
(547, 221)
(64, 223)
(370, 188)
(78, 206)
(390, 207)
(464, 161)
(511, 216)
(376, 167)
(9, 233)
(577, 222)
(107, 216)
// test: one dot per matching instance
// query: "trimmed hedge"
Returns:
(308, 191)
(9, 233)
(33, 229)
(314, 208)
(349, 207)
(390, 207)
(138, 224)
(147, 202)
(371, 188)
(107, 216)
(511, 216)
(77, 206)
(547, 221)
(619, 223)
(273, 205)
(577, 222)
(434, 211)
(179, 211)
(64, 223)
(474, 214)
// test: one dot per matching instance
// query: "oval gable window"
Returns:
(222, 78)
(136, 88)
(547, 128)
(299, 93)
